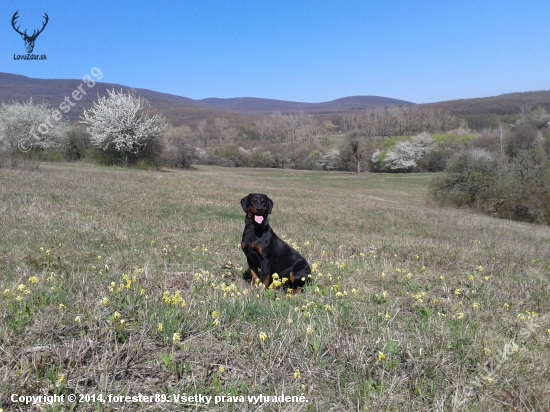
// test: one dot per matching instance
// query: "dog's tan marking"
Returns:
(255, 278)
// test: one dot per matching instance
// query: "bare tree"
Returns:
(277, 127)
(177, 150)
(221, 124)
(502, 129)
(262, 126)
(202, 132)
(306, 124)
(524, 111)
(352, 151)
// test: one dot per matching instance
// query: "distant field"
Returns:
(413, 307)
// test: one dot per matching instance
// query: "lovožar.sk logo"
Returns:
(29, 39)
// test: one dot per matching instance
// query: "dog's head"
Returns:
(257, 207)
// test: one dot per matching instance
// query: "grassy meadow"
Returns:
(118, 281)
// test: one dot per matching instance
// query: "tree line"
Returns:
(123, 128)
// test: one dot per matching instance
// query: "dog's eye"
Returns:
(263, 200)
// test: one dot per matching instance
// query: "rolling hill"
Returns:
(480, 111)
(179, 110)
(256, 105)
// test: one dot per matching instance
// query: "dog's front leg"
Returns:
(266, 272)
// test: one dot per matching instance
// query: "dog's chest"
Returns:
(254, 246)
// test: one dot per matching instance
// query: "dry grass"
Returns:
(94, 259)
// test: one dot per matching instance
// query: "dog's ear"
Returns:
(245, 202)
(269, 204)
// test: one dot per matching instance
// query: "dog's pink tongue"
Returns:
(258, 219)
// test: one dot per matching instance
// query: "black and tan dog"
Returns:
(265, 252)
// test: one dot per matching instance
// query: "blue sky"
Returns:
(311, 51)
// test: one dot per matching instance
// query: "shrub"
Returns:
(435, 161)
(257, 158)
(509, 187)
(78, 142)
(228, 156)
(177, 150)
(468, 178)
(523, 138)
(329, 160)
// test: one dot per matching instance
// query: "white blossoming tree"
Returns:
(123, 123)
(405, 153)
(27, 128)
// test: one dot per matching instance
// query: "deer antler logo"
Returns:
(29, 40)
